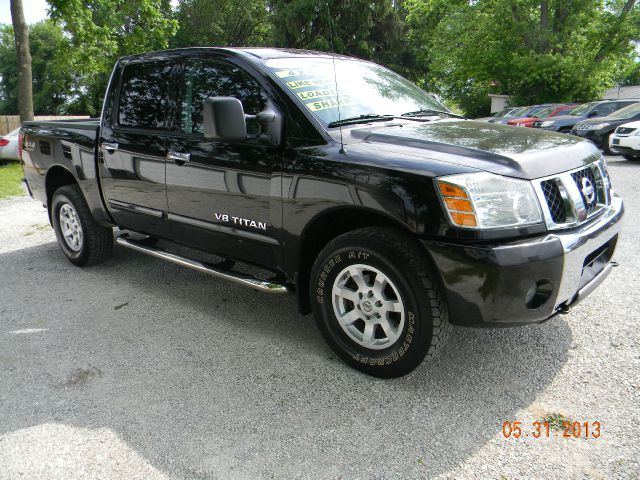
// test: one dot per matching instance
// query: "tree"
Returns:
(221, 23)
(52, 67)
(370, 29)
(534, 50)
(23, 55)
(101, 31)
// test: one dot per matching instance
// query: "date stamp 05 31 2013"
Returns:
(544, 429)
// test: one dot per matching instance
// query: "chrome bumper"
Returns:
(578, 245)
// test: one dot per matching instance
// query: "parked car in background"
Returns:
(564, 123)
(626, 140)
(598, 130)
(544, 112)
(499, 114)
(518, 112)
(9, 146)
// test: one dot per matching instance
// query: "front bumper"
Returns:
(598, 137)
(527, 281)
(628, 144)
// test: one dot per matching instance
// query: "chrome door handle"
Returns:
(110, 147)
(178, 157)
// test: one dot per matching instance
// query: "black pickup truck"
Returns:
(390, 217)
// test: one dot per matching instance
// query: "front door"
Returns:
(133, 151)
(224, 197)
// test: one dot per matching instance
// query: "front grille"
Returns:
(554, 200)
(625, 130)
(585, 178)
(582, 126)
(572, 198)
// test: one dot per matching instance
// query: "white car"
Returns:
(9, 146)
(626, 140)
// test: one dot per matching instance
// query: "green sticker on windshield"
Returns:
(306, 83)
(326, 104)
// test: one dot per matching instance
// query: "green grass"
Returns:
(10, 175)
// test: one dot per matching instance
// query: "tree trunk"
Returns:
(25, 82)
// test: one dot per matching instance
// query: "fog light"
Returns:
(538, 294)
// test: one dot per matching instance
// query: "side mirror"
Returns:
(593, 114)
(224, 119)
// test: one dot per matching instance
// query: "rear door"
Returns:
(224, 197)
(133, 151)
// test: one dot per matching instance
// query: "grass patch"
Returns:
(10, 175)
(556, 420)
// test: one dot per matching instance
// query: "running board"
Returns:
(247, 281)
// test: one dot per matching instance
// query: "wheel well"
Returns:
(57, 177)
(324, 229)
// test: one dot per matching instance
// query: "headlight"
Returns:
(484, 200)
(548, 123)
(597, 126)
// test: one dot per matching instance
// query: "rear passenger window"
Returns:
(607, 108)
(212, 78)
(144, 96)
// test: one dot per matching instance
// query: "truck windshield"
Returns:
(366, 90)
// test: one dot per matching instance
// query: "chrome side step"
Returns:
(261, 285)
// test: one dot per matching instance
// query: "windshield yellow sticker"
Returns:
(297, 72)
(326, 104)
(306, 83)
(311, 94)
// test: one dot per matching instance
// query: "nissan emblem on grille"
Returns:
(587, 190)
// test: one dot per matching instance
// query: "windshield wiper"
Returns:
(427, 111)
(365, 118)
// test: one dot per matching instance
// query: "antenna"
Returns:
(335, 74)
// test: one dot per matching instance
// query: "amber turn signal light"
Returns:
(459, 206)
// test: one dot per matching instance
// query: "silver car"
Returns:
(9, 146)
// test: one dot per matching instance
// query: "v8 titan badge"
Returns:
(243, 222)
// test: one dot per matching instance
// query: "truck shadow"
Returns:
(206, 379)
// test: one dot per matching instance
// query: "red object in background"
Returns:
(529, 121)
(3, 142)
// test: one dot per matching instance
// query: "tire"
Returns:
(631, 158)
(417, 329)
(86, 242)
(605, 146)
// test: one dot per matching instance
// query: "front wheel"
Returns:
(605, 146)
(378, 302)
(632, 158)
(82, 240)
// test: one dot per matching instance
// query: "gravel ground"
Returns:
(140, 369)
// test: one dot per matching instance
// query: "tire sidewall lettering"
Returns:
(402, 346)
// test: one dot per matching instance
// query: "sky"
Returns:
(34, 10)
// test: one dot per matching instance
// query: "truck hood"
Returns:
(512, 151)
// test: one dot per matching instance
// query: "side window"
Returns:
(211, 78)
(607, 108)
(144, 96)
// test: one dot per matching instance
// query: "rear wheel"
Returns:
(377, 301)
(82, 240)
